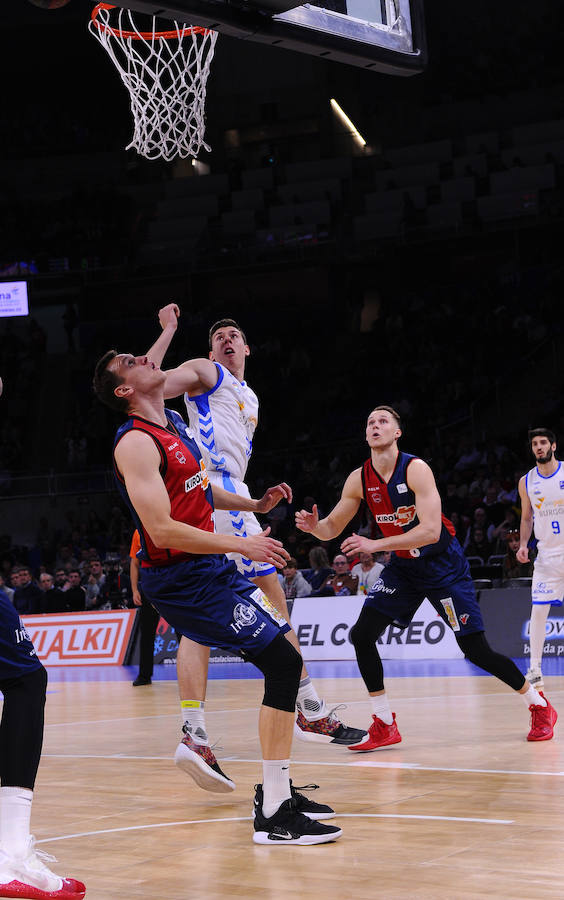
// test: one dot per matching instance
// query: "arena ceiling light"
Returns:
(347, 122)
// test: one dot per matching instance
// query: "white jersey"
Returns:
(546, 494)
(223, 422)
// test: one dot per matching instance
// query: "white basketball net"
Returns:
(166, 75)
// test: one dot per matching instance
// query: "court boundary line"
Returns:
(253, 709)
(360, 763)
(80, 834)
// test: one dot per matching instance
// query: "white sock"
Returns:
(381, 708)
(308, 702)
(193, 717)
(15, 815)
(275, 784)
(537, 632)
(533, 698)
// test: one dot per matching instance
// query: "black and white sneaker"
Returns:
(305, 806)
(288, 826)
(308, 807)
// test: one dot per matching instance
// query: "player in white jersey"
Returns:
(542, 503)
(223, 415)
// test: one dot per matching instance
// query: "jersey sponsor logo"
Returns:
(380, 588)
(376, 495)
(259, 629)
(200, 478)
(542, 588)
(243, 617)
(21, 634)
(539, 503)
(180, 457)
(451, 613)
(402, 488)
(172, 446)
(405, 514)
(464, 618)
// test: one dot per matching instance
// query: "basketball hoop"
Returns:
(165, 73)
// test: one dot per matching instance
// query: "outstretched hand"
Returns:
(273, 496)
(168, 315)
(265, 549)
(356, 543)
(307, 521)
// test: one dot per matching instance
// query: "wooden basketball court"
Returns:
(464, 807)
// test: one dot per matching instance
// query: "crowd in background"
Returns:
(85, 565)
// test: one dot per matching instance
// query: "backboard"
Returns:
(379, 35)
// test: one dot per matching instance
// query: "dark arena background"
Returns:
(414, 261)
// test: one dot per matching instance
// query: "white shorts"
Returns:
(548, 580)
(241, 524)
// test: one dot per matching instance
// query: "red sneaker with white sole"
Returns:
(379, 735)
(28, 877)
(543, 719)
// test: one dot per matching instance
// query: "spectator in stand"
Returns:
(293, 582)
(498, 536)
(340, 584)
(27, 596)
(479, 520)
(4, 586)
(61, 579)
(367, 570)
(478, 544)
(512, 568)
(319, 567)
(53, 600)
(469, 458)
(94, 583)
(74, 594)
(64, 559)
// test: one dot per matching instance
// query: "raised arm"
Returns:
(428, 507)
(196, 376)
(526, 527)
(168, 318)
(332, 525)
(138, 460)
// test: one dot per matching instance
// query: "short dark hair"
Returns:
(392, 412)
(106, 381)
(542, 432)
(225, 323)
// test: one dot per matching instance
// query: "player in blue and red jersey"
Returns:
(201, 594)
(427, 562)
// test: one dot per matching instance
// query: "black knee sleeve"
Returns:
(477, 650)
(21, 728)
(281, 665)
(364, 634)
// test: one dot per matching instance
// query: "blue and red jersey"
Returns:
(184, 474)
(392, 504)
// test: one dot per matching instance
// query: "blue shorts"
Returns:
(443, 579)
(17, 653)
(209, 601)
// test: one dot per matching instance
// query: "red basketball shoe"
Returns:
(379, 735)
(29, 877)
(543, 719)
